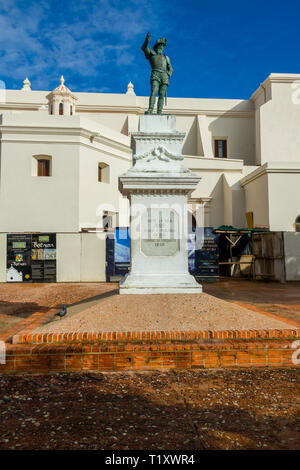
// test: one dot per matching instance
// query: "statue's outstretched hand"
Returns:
(145, 46)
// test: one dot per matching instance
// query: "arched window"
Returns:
(51, 109)
(61, 109)
(103, 172)
(41, 165)
(71, 110)
(297, 224)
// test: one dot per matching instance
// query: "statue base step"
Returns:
(160, 284)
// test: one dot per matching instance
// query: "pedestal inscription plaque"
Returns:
(159, 232)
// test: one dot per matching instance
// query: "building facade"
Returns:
(61, 154)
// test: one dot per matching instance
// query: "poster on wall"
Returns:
(207, 258)
(18, 258)
(122, 251)
(43, 256)
(31, 257)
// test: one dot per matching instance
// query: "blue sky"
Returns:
(218, 48)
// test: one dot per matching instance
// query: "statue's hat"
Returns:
(162, 41)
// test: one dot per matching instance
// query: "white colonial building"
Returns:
(61, 154)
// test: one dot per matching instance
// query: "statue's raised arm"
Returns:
(161, 72)
(145, 48)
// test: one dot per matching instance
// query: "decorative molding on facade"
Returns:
(268, 168)
(211, 113)
(200, 200)
(140, 110)
(214, 164)
(21, 106)
(136, 110)
(59, 131)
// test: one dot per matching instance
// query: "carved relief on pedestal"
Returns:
(159, 160)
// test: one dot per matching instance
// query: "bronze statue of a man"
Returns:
(161, 72)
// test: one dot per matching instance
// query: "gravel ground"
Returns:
(18, 301)
(161, 312)
(213, 409)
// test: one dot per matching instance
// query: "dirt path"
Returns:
(212, 409)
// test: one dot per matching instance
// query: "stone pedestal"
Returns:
(158, 187)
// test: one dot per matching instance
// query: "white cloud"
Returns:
(83, 39)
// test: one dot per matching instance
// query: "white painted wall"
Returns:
(234, 202)
(220, 181)
(95, 195)
(271, 193)
(115, 121)
(240, 134)
(284, 200)
(191, 144)
(92, 260)
(278, 119)
(66, 200)
(68, 246)
(257, 201)
(31, 203)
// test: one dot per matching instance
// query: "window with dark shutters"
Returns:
(99, 173)
(221, 148)
(43, 167)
